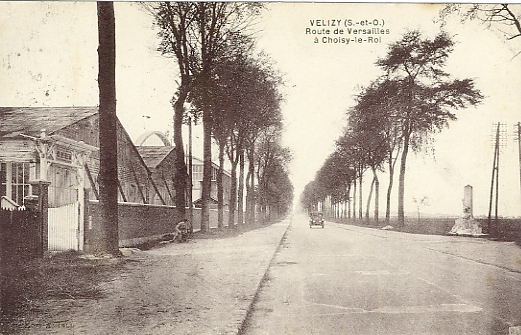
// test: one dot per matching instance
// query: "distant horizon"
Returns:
(414, 215)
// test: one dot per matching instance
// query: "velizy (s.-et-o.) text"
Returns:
(347, 31)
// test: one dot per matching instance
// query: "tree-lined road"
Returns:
(351, 280)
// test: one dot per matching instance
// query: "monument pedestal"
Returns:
(466, 225)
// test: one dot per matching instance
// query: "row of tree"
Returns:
(221, 81)
(235, 92)
(401, 110)
(397, 113)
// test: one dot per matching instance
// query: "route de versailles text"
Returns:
(323, 27)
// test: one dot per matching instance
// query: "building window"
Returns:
(197, 172)
(14, 180)
(214, 173)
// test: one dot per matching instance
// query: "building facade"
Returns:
(59, 145)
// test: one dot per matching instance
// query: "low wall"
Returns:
(140, 223)
(137, 223)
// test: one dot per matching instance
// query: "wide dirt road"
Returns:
(205, 286)
(352, 280)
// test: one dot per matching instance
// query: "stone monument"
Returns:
(466, 225)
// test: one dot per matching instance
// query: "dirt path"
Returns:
(201, 287)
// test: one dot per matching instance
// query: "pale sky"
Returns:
(49, 58)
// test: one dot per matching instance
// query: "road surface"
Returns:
(353, 280)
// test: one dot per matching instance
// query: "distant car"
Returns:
(316, 219)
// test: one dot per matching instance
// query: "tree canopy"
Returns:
(399, 111)
(426, 95)
(501, 17)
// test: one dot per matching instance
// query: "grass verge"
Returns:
(63, 276)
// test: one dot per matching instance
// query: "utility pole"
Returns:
(500, 136)
(517, 137)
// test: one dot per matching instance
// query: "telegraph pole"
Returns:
(517, 137)
(500, 136)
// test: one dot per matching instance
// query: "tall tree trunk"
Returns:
(233, 195)
(401, 181)
(204, 78)
(220, 187)
(240, 191)
(108, 174)
(250, 196)
(207, 171)
(360, 198)
(376, 196)
(180, 180)
(389, 190)
(349, 201)
(354, 199)
(406, 133)
(189, 185)
(368, 206)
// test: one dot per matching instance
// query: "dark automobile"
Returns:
(316, 219)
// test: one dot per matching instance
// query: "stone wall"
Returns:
(139, 223)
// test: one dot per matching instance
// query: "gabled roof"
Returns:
(32, 120)
(153, 155)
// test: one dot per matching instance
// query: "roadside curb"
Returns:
(263, 280)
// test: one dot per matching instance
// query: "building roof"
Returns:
(198, 161)
(154, 155)
(32, 120)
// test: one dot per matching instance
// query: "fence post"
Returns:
(87, 220)
(41, 188)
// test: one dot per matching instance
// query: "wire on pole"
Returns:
(500, 141)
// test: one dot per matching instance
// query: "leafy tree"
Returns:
(504, 18)
(368, 130)
(275, 189)
(225, 93)
(376, 114)
(425, 96)
(108, 176)
(310, 197)
(175, 21)
(259, 110)
(196, 34)
(352, 147)
(336, 177)
(266, 118)
(278, 192)
(243, 100)
(216, 22)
